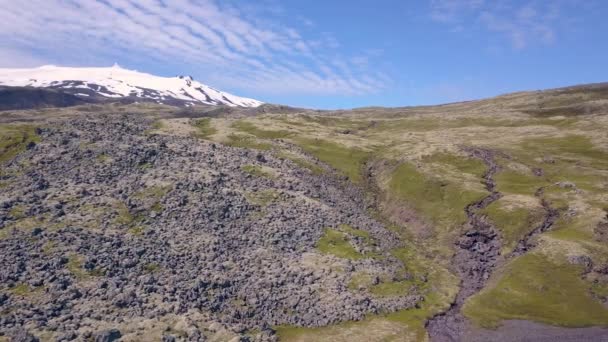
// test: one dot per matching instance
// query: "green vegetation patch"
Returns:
(361, 280)
(303, 163)
(345, 228)
(337, 243)
(532, 287)
(393, 288)
(18, 212)
(26, 224)
(152, 268)
(155, 126)
(440, 201)
(156, 192)
(263, 197)
(348, 161)
(204, 129)
(124, 216)
(75, 266)
(103, 158)
(256, 170)
(14, 139)
(513, 223)
(244, 141)
(22, 290)
(514, 182)
(461, 164)
(248, 127)
(577, 145)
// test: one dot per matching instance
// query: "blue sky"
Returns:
(323, 54)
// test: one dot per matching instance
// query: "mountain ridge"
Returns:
(115, 82)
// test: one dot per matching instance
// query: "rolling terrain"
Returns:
(475, 221)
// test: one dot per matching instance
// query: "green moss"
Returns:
(157, 124)
(25, 224)
(17, 212)
(512, 182)
(345, 228)
(303, 163)
(263, 197)
(14, 139)
(337, 243)
(103, 158)
(152, 268)
(243, 141)
(248, 127)
(124, 216)
(145, 166)
(393, 288)
(576, 145)
(430, 279)
(532, 287)
(513, 223)
(460, 163)
(155, 192)
(136, 231)
(256, 170)
(360, 280)
(74, 265)
(49, 247)
(348, 161)
(334, 122)
(22, 290)
(573, 228)
(439, 201)
(204, 128)
(582, 177)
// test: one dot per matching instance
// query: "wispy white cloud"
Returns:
(233, 46)
(522, 23)
(450, 11)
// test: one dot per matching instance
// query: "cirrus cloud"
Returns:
(523, 23)
(234, 47)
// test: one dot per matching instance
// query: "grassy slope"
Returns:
(534, 287)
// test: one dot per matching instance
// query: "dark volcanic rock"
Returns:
(120, 226)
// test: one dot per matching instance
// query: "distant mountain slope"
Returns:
(118, 83)
(27, 97)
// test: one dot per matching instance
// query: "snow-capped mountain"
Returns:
(116, 82)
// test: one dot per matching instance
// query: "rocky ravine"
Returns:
(107, 231)
(477, 254)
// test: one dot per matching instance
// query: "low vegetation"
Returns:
(204, 128)
(337, 243)
(256, 170)
(15, 139)
(348, 161)
(249, 128)
(536, 288)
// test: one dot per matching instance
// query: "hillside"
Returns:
(474, 221)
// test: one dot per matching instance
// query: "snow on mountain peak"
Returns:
(117, 82)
